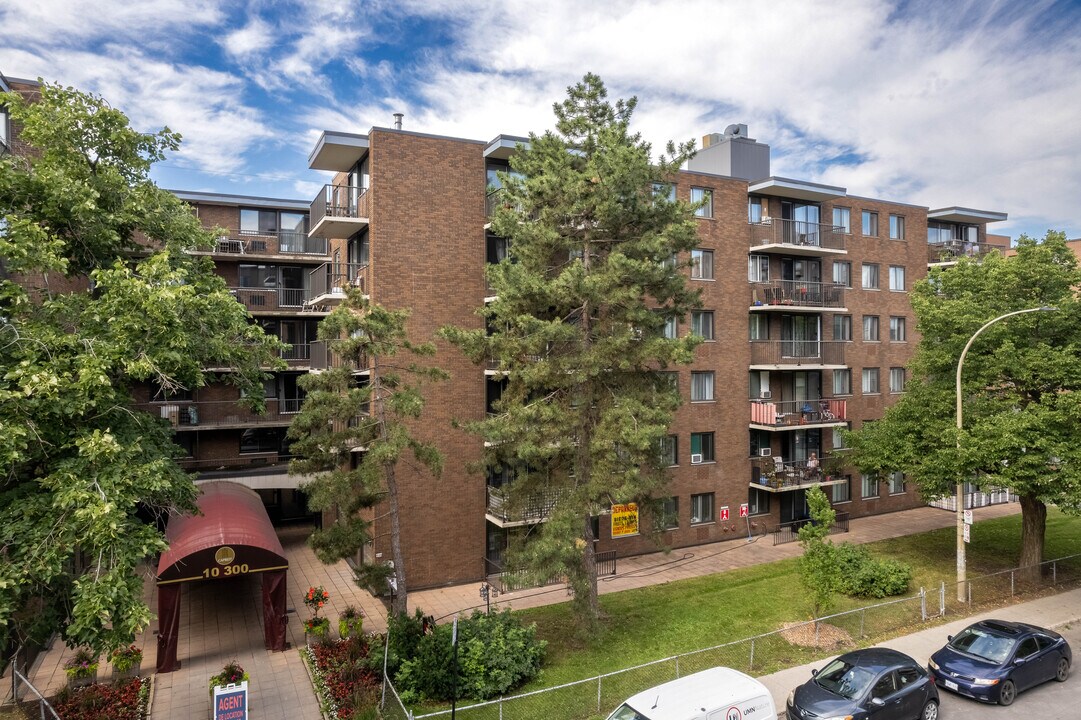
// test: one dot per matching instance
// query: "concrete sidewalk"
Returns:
(1050, 612)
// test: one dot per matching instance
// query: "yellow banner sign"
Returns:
(624, 520)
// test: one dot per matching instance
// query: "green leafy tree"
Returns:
(818, 570)
(577, 327)
(98, 293)
(1019, 387)
(345, 412)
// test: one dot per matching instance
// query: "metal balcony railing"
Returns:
(779, 474)
(323, 358)
(532, 508)
(270, 242)
(797, 233)
(497, 198)
(331, 279)
(797, 352)
(298, 354)
(793, 413)
(796, 293)
(268, 299)
(191, 414)
(952, 250)
(339, 201)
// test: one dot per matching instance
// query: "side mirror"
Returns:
(814, 672)
(1020, 660)
(949, 638)
(877, 702)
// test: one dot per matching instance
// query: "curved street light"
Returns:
(961, 561)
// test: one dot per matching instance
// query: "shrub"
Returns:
(82, 664)
(125, 700)
(126, 658)
(350, 622)
(863, 575)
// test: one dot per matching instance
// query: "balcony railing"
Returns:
(296, 355)
(793, 413)
(797, 233)
(337, 208)
(533, 508)
(953, 250)
(323, 358)
(270, 242)
(269, 299)
(329, 281)
(777, 474)
(796, 293)
(188, 414)
(495, 199)
(797, 352)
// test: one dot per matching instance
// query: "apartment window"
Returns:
(667, 517)
(870, 223)
(702, 323)
(701, 508)
(870, 276)
(754, 210)
(671, 327)
(704, 196)
(842, 273)
(897, 379)
(868, 486)
(5, 140)
(702, 264)
(671, 262)
(666, 191)
(702, 447)
(897, 329)
(670, 450)
(897, 277)
(759, 324)
(838, 438)
(870, 381)
(870, 328)
(842, 382)
(842, 219)
(897, 227)
(701, 387)
(758, 268)
(667, 381)
(842, 492)
(897, 483)
(842, 327)
(758, 502)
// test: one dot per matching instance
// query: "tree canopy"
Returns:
(576, 329)
(1020, 383)
(98, 292)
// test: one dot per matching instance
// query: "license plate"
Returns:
(949, 685)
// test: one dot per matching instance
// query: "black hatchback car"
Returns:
(993, 660)
(876, 682)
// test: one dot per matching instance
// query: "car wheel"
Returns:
(1007, 691)
(1063, 670)
(930, 711)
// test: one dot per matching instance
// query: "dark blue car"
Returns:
(876, 683)
(994, 660)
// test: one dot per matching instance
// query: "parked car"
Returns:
(993, 660)
(876, 682)
(719, 692)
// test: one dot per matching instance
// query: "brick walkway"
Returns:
(222, 620)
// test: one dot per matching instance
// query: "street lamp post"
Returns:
(961, 562)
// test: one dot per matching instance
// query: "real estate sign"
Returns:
(231, 702)
(624, 520)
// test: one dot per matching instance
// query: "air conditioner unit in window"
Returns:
(766, 395)
(696, 458)
(765, 452)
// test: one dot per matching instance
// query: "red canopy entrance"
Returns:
(233, 536)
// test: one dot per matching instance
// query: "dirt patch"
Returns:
(828, 636)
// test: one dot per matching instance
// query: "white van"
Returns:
(719, 693)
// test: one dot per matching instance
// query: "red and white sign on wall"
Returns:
(744, 510)
(724, 512)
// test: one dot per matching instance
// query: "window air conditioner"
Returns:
(765, 452)
(766, 395)
(696, 459)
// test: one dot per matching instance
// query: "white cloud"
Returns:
(64, 22)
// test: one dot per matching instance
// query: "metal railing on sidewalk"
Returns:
(26, 697)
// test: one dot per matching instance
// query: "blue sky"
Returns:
(967, 102)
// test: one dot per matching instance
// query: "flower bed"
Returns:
(125, 700)
(344, 682)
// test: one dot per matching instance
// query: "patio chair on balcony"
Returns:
(824, 410)
(786, 474)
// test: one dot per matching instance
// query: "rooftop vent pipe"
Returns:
(398, 120)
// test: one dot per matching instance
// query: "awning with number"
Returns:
(230, 538)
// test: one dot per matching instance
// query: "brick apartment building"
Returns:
(805, 308)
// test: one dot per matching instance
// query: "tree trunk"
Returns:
(1033, 527)
(589, 567)
(400, 600)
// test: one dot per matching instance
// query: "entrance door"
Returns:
(802, 228)
(799, 336)
(794, 506)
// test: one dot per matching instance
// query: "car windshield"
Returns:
(979, 643)
(626, 712)
(845, 679)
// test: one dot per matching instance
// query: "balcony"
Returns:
(797, 354)
(323, 358)
(949, 252)
(505, 511)
(798, 414)
(298, 355)
(328, 282)
(259, 300)
(270, 245)
(796, 296)
(339, 211)
(795, 237)
(195, 415)
(772, 474)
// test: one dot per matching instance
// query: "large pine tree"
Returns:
(577, 327)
